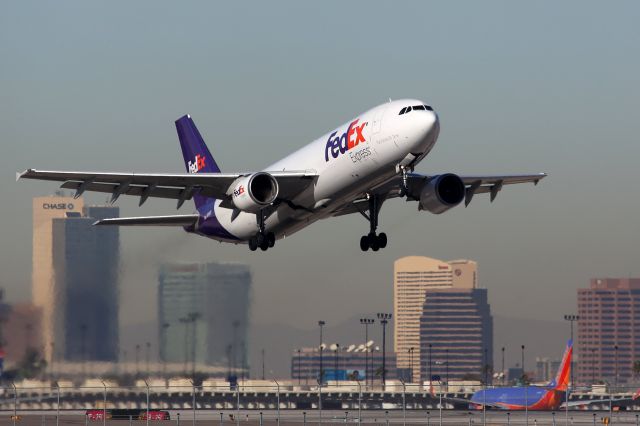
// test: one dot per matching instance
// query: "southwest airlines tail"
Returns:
(197, 158)
(561, 382)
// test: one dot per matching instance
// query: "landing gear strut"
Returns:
(373, 241)
(262, 239)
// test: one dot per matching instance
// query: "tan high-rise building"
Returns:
(412, 277)
(45, 209)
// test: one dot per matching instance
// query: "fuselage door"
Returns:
(376, 125)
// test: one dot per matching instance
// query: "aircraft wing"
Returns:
(179, 186)
(474, 184)
(175, 220)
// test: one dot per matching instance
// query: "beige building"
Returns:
(45, 209)
(412, 277)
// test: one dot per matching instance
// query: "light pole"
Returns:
(147, 355)
(571, 319)
(185, 321)
(410, 364)
(137, 360)
(446, 354)
(163, 353)
(366, 322)
(384, 320)
(593, 366)
(616, 372)
(335, 366)
(299, 368)
(262, 353)
(321, 325)
(192, 318)
(430, 363)
(523, 373)
(503, 375)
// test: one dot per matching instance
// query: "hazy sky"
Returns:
(519, 86)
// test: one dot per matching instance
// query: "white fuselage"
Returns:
(350, 161)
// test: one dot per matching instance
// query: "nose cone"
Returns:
(427, 130)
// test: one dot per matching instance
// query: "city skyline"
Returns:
(85, 85)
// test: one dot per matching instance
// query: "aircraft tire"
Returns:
(364, 243)
(373, 242)
(253, 244)
(271, 238)
(265, 245)
(382, 240)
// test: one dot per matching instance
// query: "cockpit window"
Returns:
(428, 108)
(408, 109)
(402, 111)
(417, 107)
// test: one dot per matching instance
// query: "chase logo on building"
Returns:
(57, 206)
(197, 164)
(352, 137)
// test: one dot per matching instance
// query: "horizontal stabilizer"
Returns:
(175, 220)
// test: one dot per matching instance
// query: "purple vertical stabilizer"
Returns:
(197, 158)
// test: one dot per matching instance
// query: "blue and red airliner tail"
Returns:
(548, 397)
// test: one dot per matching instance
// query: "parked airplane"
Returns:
(549, 397)
(352, 169)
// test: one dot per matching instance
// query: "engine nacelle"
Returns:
(252, 193)
(441, 193)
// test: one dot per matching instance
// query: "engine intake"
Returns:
(251, 193)
(441, 193)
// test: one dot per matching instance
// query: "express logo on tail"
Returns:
(352, 137)
(197, 164)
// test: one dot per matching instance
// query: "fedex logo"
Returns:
(196, 165)
(337, 145)
(238, 191)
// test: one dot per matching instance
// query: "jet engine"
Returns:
(441, 193)
(253, 192)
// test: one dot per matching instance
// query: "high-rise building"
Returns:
(85, 265)
(413, 276)
(456, 334)
(21, 330)
(45, 209)
(204, 314)
(608, 340)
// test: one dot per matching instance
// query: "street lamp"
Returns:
(321, 325)
(335, 367)
(137, 360)
(147, 355)
(571, 319)
(503, 366)
(384, 319)
(163, 350)
(299, 368)
(523, 370)
(410, 364)
(616, 376)
(366, 322)
(446, 353)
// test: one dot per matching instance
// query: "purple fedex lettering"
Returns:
(337, 145)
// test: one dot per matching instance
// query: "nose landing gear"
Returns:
(372, 240)
(262, 239)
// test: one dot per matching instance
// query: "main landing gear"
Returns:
(262, 239)
(373, 241)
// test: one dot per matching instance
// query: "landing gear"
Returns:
(373, 241)
(262, 239)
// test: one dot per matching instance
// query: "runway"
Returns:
(299, 417)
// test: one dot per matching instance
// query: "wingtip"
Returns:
(97, 222)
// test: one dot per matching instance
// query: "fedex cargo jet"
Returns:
(354, 168)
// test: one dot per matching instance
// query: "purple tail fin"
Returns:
(197, 158)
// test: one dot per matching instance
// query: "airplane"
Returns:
(542, 398)
(354, 168)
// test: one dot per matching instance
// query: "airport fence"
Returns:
(264, 401)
